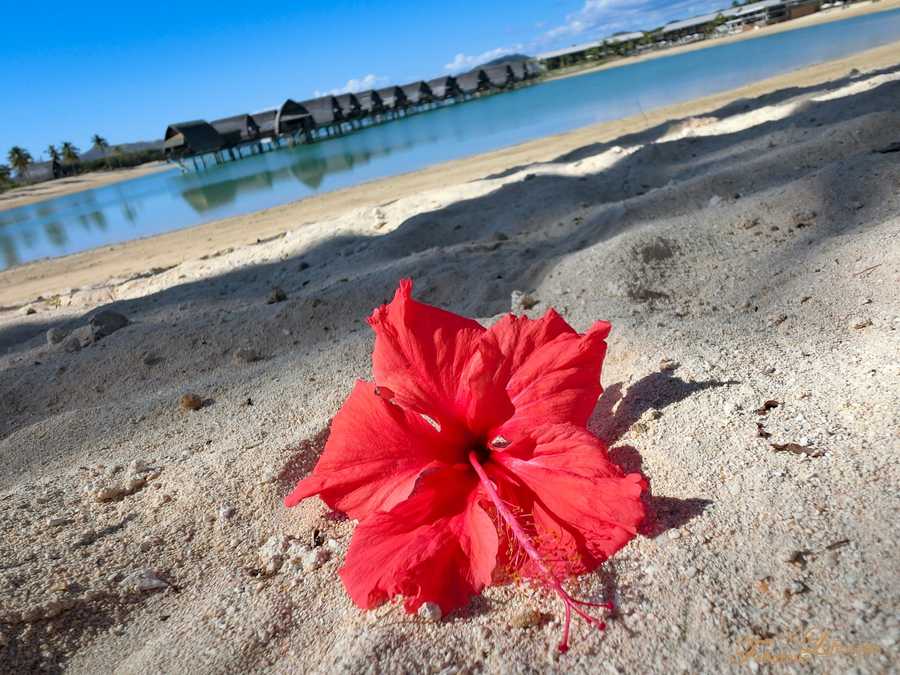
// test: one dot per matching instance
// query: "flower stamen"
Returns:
(571, 604)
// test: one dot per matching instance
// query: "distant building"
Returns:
(569, 56)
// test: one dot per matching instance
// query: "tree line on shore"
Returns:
(66, 160)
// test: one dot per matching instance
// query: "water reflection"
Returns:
(165, 201)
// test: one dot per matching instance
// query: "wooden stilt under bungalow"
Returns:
(186, 139)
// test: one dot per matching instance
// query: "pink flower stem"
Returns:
(525, 542)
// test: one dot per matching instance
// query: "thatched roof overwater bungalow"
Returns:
(518, 70)
(469, 83)
(370, 102)
(499, 76)
(293, 117)
(393, 97)
(350, 106)
(265, 122)
(325, 110)
(417, 92)
(236, 129)
(443, 88)
(196, 137)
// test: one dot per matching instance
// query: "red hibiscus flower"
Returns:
(469, 462)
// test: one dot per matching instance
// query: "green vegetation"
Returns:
(20, 159)
(69, 152)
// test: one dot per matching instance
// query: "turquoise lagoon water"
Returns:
(172, 200)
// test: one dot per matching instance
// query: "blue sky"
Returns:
(126, 69)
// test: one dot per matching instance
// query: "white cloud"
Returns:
(370, 81)
(463, 62)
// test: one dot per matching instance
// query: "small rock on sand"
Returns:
(273, 553)
(668, 365)
(190, 402)
(527, 618)
(859, 323)
(430, 611)
(106, 322)
(246, 355)
(143, 581)
(277, 295)
(56, 335)
(521, 301)
(71, 344)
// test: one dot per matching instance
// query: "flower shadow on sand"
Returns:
(618, 411)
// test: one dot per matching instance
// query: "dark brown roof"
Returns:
(265, 120)
(499, 76)
(325, 110)
(292, 117)
(370, 101)
(417, 92)
(350, 105)
(518, 70)
(236, 129)
(196, 137)
(392, 97)
(468, 82)
(444, 87)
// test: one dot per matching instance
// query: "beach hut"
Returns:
(350, 106)
(370, 102)
(196, 137)
(443, 88)
(325, 111)
(518, 70)
(498, 77)
(291, 118)
(392, 97)
(265, 122)
(469, 83)
(236, 129)
(417, 93)
(532, 69)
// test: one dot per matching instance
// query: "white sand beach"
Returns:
(745, 248)
(39, 192)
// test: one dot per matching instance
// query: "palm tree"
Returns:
(53, 153)
(102, 145)
(20, 158)
(5, 175)
(69, 152)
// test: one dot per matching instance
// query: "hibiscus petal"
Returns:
(557, 382)
(583, 508)
(374, 454)
(436, 362)
(437, 546)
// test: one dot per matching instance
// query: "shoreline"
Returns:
(822, 17)
(51, 189)
(50, 276)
